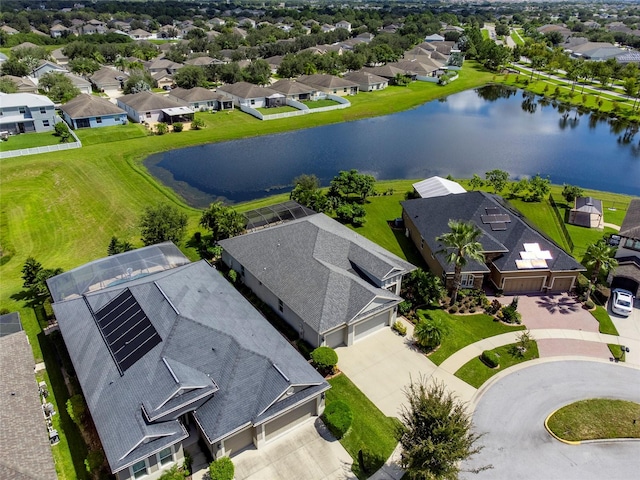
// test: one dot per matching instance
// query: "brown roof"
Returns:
(25, 452)
(195, 94)
(631, 224)
(291, 87)
(84, 106)
(246, 90)
(364, 78)
(22, 83)
(145, 101)
(326, 81)
(107, 75)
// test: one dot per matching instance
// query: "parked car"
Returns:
(622, 302)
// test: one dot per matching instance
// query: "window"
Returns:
(253, 102)
(345, 90)
(421, 243)
(98, 119)
(43, 110)
(22, 110)
(280, 305)
(466, 280)
(165, 456)
(242, 270)
(45, 123)
(139, 469)
(148, 114)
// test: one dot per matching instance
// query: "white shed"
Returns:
(437, 187)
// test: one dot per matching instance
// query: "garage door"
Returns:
(289, 420)
(238, 442)
(335, 339)
(370, 326)
(523, 284)
(562, 284)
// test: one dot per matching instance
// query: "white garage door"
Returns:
(523, 284)
(335, 339)
(369, 326)
(238, 442)
(562, 284)
(289, 420)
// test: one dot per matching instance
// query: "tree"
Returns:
(631, 88)
(116, 246)
(599, 257)
(190, 76)
(571, 192)
(476, 182)
(306, 191)
(162, 223)
(15, 67)
(460, 245)
(325, 359)
(351, 182)
(223, 221)
(436, 433)
(30, 271)
(7, 85)
(138, 82)
(497, 179)
(426, 286)
(258, 72)
(538, 188)
(62, 130)
(59, 87)
(429, 332)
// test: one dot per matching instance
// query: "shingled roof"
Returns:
(247, 90)
(326, 81)
(144, 101)
(316, 266)
(431, 216)
(84, 106)
(210, 337)
(631, 224)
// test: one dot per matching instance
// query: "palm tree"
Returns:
(459, 245)
(599, 257)
(429, 332)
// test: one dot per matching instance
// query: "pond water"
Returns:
(466, 133)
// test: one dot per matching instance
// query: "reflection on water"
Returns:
(470, 132)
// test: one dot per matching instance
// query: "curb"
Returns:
(546, 426)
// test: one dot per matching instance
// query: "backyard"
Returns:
(29, 140)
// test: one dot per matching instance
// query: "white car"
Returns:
(622, 302)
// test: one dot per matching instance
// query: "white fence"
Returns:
(46, 149)
(302, 108)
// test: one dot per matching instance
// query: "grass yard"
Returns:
(465, 330)
(603, 318)
(371, 431)
(475, 372)
(93, 136)
(617, 352)
(516, 38)
(597, 418)
(320, 103)
(29, 140)
(275, 110)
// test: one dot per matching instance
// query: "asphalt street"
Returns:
(512, 411)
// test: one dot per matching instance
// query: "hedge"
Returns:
(324, 358)
(338, 417)
(490, 358)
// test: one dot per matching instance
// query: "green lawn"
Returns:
(320, 103)
(597, 418)
(464, 330)
(475, 372)
(606, 324)
(29, 140)
(93, 136)
(276, 110)
(371, 431)
(517, 38)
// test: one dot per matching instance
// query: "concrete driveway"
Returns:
(511, 411)
(309, 452)
(383, 364)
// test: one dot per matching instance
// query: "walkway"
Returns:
(612, 225)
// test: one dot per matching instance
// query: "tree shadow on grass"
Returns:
(409, 249)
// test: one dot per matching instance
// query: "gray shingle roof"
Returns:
(143, 101)
(292, 87)
(318, 268)
(84, 106)
(211, 338)
(196, 94)
(25, 452)
(108, 76)
(247, 90)
(631, 224)
(326, 81)
(588, 205)
(431, 215)
(364, 78)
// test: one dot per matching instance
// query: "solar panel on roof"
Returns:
(126, 329)
(496, 218)
(492, 210)
(498, 227)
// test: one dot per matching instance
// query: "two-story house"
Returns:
(26, 112)
(627, 273)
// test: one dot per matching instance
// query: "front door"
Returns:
(21, 127)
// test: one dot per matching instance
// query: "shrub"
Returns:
(404, 307)
(491, 359)
(162, 128)
(399, 327)
(453, 309)
(221, 469)
(325, 359)
(174, 474)
(494, 307)
(76, 408)
(589, 304)
(197, 124)
(233, 276)
(178, 127)
(358, 221)
(48, 309)
(472, 310)
(305, 348)
(338, 417)
(94, 461)
(509, 315)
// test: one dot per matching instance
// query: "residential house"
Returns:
(366, 37)
(25, 452)
(162, 65)
(203, 61)
(140, 34)
(246, 22)
(294, 90)
(89, 111)
(59, 57)
(199, 98)
(330, 284)
(389, 71)
(561, 29)
(250, 95)
(45, 67)
(330, 84)
(344, 24)
(627, 273)
(367, 81)
(518, 258)
(148, 107)
(587, 212)
(434, 38)
(9, 30)
(274, 63)
(26, 113)
(163, 79)
(437, 187)
(597, 51)
(108, 79)
(80, 83)
(93, 27)
(168, 352)
(23, 84)
(58, 30)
